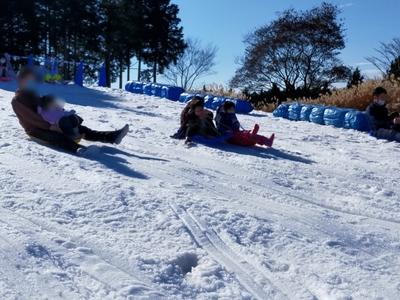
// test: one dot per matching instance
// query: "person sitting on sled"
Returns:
(6, 69)
(227, 120)
(198, 121)
(52, 110)
(25, 105)
(185, 117)
(384, 125)
(50, 74)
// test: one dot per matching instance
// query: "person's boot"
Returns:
(115, 137)
(255, 129)
(189, 142)
(269, 142)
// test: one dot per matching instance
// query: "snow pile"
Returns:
(317, 217)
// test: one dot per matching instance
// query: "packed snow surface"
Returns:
(316, 217)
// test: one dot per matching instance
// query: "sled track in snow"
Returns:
(270, 208)
(207, 239)
(70, 252)
(296, 196)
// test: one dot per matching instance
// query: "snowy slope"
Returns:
(316, 217)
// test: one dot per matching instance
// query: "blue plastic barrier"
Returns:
(317, 115)
(171, 92)
(243, 106)
(137, 87)
(281, 111)
(128, 85)
(186, 97)
(208, 101)
(147, 89)
(217, 101)
(176, 93)
(357, 120)
(305, 113)
(156, 89)
(335, 116)
(294, 111)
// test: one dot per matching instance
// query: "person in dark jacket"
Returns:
(226, 118)
(384, 125)
(25, 105)
(199, 122)
(187, 115)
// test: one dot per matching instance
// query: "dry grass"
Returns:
(359, 97)
(218, 90)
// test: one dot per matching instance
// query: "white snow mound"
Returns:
(316, 217)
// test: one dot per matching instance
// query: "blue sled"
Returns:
(210, 142)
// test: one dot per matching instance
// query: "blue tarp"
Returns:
(294, 111)
(357, 120)
(305, 113)
(317, 115)
(325, 115)
(281, 111)
(334, 116)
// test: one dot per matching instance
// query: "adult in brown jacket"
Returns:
(25, 104)
(188, 115)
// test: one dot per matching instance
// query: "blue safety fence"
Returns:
(324, 115)
(178, 94)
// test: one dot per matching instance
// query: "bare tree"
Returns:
(196, 62)
(388, 53)
(298, 52)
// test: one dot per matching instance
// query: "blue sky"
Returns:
(224, 22)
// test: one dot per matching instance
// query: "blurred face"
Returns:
(29, 83)
(231, 111)
(198, 111)
(381, 99)
(52, 105)
(26, 82)
(382, 96)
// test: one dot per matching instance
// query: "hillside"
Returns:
(316, 217)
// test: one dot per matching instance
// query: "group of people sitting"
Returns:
(49, 70)
(45, 119)
(198, 121)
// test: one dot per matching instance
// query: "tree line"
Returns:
(96, 31)
(297, 55)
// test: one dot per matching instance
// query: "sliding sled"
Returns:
(211, 142)
(48, 143)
